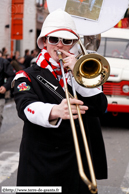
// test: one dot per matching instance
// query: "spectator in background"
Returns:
(16, 62)
(6, 71)
(21, 62)
(17, 55)
(34, 53)
(8, 57)
(3, 56)
(4, 51)
(27, 53)
(29, 58)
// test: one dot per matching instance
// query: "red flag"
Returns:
(45, 5)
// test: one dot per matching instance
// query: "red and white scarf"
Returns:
(44, 60)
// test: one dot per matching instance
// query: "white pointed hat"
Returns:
(58, 24)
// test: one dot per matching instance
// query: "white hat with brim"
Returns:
(58, 24)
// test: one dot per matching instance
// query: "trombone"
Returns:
(87, 67)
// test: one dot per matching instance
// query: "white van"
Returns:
(115, 48)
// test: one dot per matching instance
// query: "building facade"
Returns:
(5, 20)
(20, 24)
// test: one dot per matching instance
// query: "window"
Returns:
(113, 47)
(101, 49)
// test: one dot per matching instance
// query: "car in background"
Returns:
(115, 48)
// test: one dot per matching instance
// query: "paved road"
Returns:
(116, 136)
(10, 136)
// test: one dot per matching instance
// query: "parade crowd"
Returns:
(9, 65)
(18, 63)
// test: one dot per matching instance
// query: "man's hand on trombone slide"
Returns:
(62, 111)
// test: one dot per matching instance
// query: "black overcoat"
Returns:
(47, 155)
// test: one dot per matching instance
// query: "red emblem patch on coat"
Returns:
(23, 86)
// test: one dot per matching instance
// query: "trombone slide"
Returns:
(91, 185)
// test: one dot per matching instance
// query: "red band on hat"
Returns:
(63, 29)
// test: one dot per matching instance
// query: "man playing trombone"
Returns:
(47, 153)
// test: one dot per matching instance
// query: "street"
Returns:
(116, 137)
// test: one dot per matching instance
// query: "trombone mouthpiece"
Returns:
(59, 54)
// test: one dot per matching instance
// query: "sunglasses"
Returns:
(55, 40)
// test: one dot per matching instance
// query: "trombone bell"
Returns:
(91, 70)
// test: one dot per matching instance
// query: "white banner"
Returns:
(23, 189)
